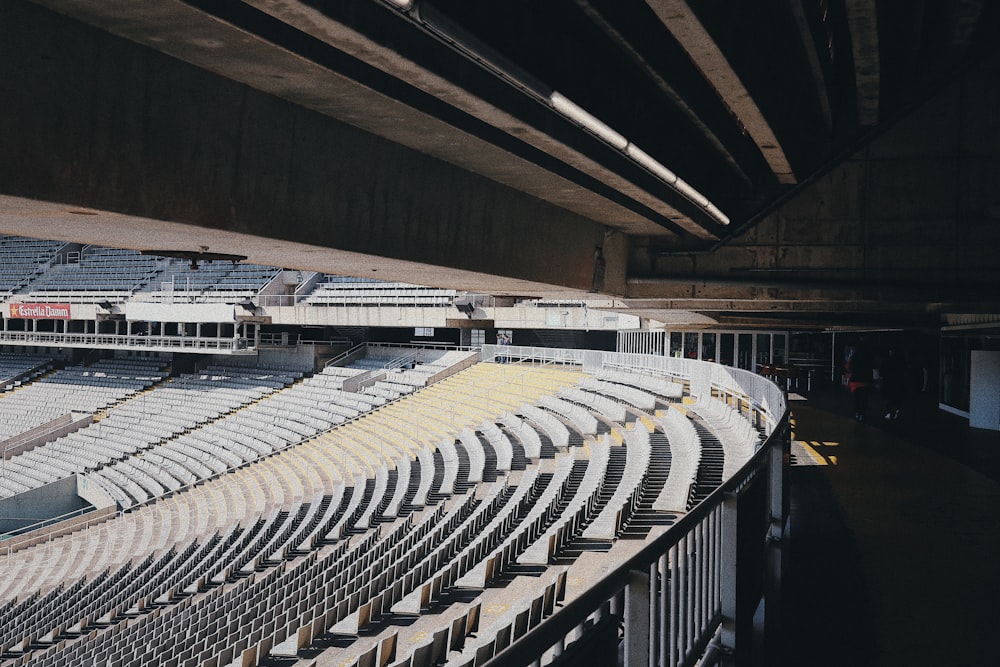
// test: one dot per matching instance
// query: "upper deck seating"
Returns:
(211, 282)
(332, 290)
(22, 260)
(99, 269)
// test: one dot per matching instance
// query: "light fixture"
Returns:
(647, 161)
(577, 114)
(682, 187)
(714, 211)
(563, 105)
(460, 40)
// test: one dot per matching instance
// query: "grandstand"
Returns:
(265, 517)
(208, 463)
(393, 504)
(34, 270)
(331, 290)
(109, 271)
(218, 281)
(39, 270)
(23, 260)
(73, 389)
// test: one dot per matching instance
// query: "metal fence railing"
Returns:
(707, 591)
(129, 342)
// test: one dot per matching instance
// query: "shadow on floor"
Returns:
(894, 539)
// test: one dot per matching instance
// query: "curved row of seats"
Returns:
(105, 382)
(331, 457)
(16, 369)
(168, 410)
(738, 436)
(27, 266)
(245, 606)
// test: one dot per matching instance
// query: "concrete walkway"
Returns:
(895, 542)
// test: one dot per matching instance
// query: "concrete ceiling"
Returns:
(850, 144)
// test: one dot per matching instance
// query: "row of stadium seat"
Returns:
(348, 589)
(27, 267)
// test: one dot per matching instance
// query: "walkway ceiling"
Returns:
(758, 163)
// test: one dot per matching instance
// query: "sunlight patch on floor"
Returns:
(813, 453)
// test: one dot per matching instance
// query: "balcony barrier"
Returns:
(133, 342)
(707, 591)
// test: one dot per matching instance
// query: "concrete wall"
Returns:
(57, 428)
(99, 121)
(910, 218)
(42, 504)
(302, 357)
(515, 317)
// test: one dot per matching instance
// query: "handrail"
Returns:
(129, 342)
(420, 345)
(575, 612)
(694, 562)
(683, 583)
(400, 361)
(344, 355)
(41, 523)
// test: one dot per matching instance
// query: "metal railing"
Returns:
(343, 356)
(127, 342)
(681, 600)
(420, 345)
(534, 355)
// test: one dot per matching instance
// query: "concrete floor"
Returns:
(895, 538)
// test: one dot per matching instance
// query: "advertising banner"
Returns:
(40, 311)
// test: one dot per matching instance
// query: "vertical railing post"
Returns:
(637, 619)
(663, 615)
(777, 462)
(728, 580)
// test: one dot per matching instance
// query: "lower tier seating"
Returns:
(310, 540)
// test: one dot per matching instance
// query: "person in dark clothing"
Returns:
(893, 373)
(860, 370)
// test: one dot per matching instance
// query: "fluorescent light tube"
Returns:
(714, 211)
(647, 161)
(682, 187)
(563, 105)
